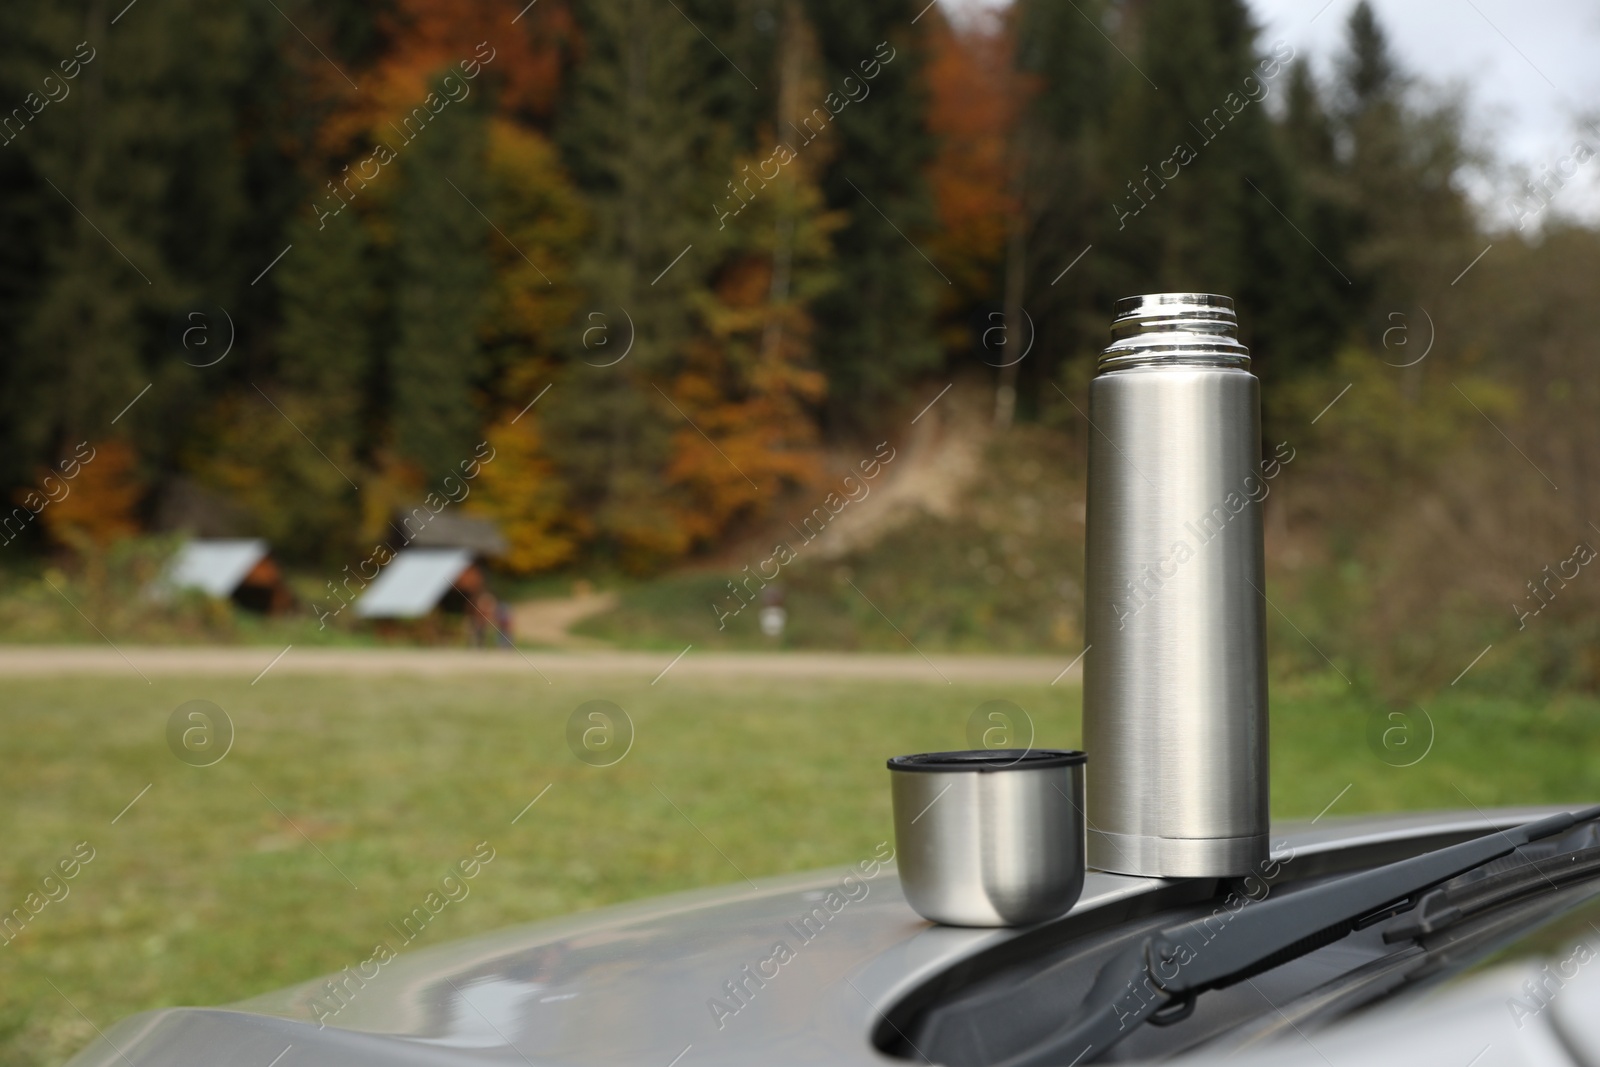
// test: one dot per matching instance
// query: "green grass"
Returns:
(202, 893)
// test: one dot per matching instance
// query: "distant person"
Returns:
(773, 616)
(485, 610)
(504, 624)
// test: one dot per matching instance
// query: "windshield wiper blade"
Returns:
(1481, 891)
(1157, 981)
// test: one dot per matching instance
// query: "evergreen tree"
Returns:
(1187, 148)
(1409, 229)
(1312, 306)
(1308, 133)
(95, 189)
(1368, 75)
(636, 144)
(136, 180)
(737, 59)
(329, 296)
(1062, 186)
(441, 276)
(875, 328)
(249, 446)
(1206, 201)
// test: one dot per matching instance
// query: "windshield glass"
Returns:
(1555, 928)
(1568, 940)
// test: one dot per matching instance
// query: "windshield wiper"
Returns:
(1158, 980)
(1531, 870)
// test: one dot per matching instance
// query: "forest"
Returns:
(285, 268)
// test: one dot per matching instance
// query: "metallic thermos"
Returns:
(1174, 685)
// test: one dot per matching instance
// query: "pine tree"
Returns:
(442, 273)
(249, 446)
(1410, 224)
(636, 144)
(1368, 75)
(875, 329)
(1189, 144)
(1061, 181)
(1311, 306)
(140, 179)
(737, 60)
(1308, 132)
(329, 297)
(1205, 199)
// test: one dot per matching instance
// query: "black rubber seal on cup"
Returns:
(988, 760)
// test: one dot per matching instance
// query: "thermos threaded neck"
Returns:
(1167, 328)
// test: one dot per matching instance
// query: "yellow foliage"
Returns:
(519, 489)
(541, 220)
(392, 485)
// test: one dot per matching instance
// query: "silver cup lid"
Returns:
(988, 760)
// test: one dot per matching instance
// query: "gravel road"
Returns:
(37, 660)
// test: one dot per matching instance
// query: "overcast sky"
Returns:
(1529, 69)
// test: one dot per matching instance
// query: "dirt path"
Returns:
(132, 662)
(941, 457)
(546, 621)
(938, 456)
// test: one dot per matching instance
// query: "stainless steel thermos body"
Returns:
(989, 837)
(1175, 689)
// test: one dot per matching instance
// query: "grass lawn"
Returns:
(203, 893)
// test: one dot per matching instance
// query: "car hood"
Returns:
(793, 970)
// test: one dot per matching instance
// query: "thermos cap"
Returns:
(989, 837)
(1174, 328)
